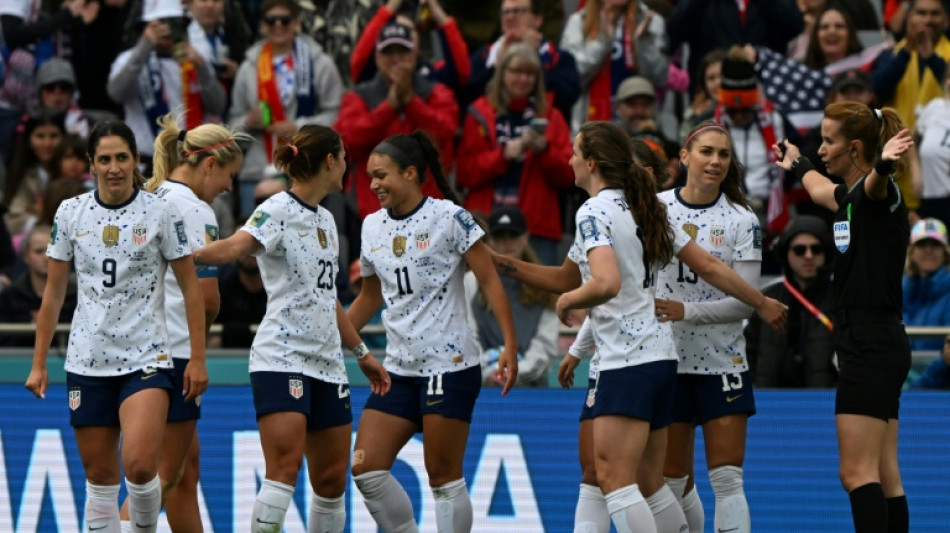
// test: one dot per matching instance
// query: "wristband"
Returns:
(801, 166)
(360, 350)
(884, 167)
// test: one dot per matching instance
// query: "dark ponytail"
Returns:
(612, 150)
(418, 150)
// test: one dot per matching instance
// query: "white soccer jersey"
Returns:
(418, 260)
(732, 234)
(120, 253)
(625, 329)
(202, 229)
(298, 262)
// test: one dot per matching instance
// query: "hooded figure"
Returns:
(802, 356)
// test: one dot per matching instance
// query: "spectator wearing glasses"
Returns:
(521, 21)
(163, 72)
(802, 355)
(285, 82)
(220, 35)
(57, 88)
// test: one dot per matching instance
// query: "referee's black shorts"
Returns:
(873, 362)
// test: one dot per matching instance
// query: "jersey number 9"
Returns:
(109, 269)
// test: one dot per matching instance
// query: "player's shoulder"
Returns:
(71, 205)
(668, 196)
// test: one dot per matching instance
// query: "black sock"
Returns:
(869, 509)
(898, 518)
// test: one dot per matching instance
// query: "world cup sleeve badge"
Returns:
(399, 245)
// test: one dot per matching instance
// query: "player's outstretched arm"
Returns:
(236, 246)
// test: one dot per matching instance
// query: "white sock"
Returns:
(591, 514)
(667, 513)
(327, 515)
(102, 508)
(690, 502)
(145, 504)
(387, 501)
(732, 509)
(271, 507)
(125, 526)
(453, 507)
(629, 511)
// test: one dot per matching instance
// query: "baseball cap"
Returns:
(54, 70)
(507, 218)
(159, 9)
(929, 228)
(395, 33)
(635, 86)
(851, 78)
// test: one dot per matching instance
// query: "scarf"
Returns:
(302, 66)
(155, 101)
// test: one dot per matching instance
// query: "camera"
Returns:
(539, 125)
(179, 28)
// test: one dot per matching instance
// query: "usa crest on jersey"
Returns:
(75, 399)
(717, 235)
(139, 234)
(296, 388)
(422, 240)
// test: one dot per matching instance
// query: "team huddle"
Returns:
(659, 283)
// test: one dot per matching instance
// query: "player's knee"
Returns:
(140, 470)
(329, 482)
(359, 465)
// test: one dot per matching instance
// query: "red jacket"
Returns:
(481, 162)
(366, 119)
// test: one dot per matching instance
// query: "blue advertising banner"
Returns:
(521, 464)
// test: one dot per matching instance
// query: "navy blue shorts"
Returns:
(326, 405)
(180, 410)
(640, 391)
(451, 395)
(95, 400)
(704, 397)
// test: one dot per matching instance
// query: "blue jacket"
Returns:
(927, 303)
(935, 376)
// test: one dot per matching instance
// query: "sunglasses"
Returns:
(285, 20)
(800, 249)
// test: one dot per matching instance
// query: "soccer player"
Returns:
(413, 255)
(118, 364)
(298, 377)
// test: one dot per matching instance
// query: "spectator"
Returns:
(926, 281)
(57, 89)
(612, 40)
(636, 112)
(21, 301)
(909, 76)
(453, 71)
(536, 323)
(220, 36)
(70, 161)
(706, 94)
(96, 43)
(521, 21)
(38, 138)
(802, 355)
(515, 147)
(933, 127)
(149, 82)
(398, 100)
(707, 25)
(285, 82)
(810, 10)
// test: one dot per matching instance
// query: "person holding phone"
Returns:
(163, 72)
(515, 147)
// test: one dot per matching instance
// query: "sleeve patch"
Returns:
(258, 219)
(52, 233)
(588, 228)
(180, 232)
(464, 218)
(757, 237)
(211, 233)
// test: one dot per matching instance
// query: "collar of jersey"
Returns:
(695, 206)
(410, 213)
(301, 202)
(135, 192)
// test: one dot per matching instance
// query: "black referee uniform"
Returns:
(873, 351)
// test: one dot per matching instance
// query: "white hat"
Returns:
(159, 9)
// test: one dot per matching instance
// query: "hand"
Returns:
(37, 382)
(773, 313)
(514, 149)
(74, 6)
(532, 38)
(254, 120)
(393, 6)
(284, 128)
(379, 381)
(155, 31)
(565, 371)
(230, 70)
(895, 147)
(750, 53)
(439, 16)
(188, 53)
(791, 154)
(89, 12)
(533, 140)
(643, 25)
(925, 43)
(404, 74)
(195, 380)
(507, 368)
(669, 311)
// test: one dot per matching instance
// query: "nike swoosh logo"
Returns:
(430, 403)
(376, 249)
(83, 234)
(259, 521)
(730, 399)
(150, 376)
(733, 528)
(98, 528)
(140, 526)
(303, 234)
